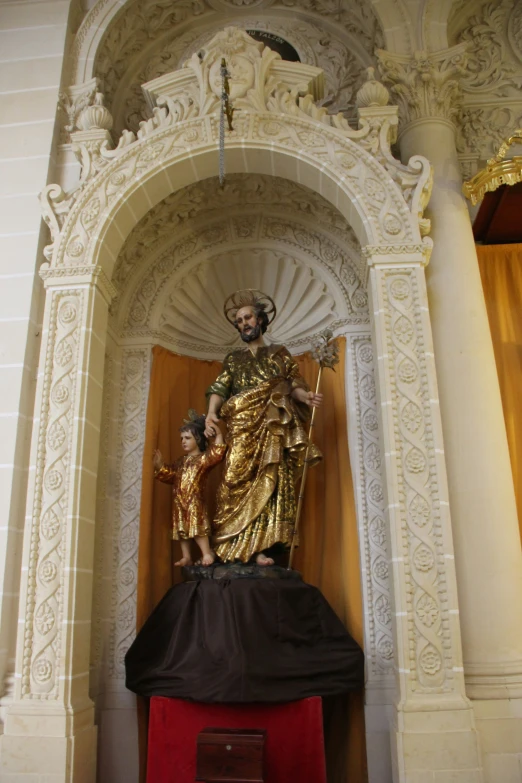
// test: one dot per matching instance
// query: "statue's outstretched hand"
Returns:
(211, 425)
(157, 460)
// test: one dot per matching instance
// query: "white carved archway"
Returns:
(279, 130)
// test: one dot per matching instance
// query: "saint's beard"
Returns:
(249, 337)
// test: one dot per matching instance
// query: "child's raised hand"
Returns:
(157, 460)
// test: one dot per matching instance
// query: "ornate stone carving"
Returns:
(481, 130)
(372, 93)
(515, 30)
(44, 608)
(289, 123)
(95, 274)
(334, 152)
(426, 85)
(95, 116)
(55, 205)
(315, 45)
(104, 519)
(131, 437)
(72, 101)
(488, 66)
(374, 539)
(143, 24)
(417, 507)
(492, 107)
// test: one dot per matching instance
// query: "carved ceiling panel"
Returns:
(491, 83)
(154, 37)
(198, 245)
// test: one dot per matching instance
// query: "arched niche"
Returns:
(206, 240)
(278, 130)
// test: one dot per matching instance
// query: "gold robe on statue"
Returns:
(266, 442)
(189, 477)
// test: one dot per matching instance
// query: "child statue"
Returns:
(188, 475)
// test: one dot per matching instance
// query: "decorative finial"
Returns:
(325, 351)
(95, 117)
(372, 92)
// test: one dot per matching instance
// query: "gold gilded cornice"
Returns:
(497, 172)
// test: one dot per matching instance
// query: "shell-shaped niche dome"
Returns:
(191, 311)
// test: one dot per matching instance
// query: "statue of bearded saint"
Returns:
(265, 404)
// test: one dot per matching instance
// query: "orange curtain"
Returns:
(329, 553)
(177, 383)
(328, 556)
(501, 271)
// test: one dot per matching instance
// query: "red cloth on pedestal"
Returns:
(294, 749)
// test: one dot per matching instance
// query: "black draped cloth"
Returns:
(234, 640)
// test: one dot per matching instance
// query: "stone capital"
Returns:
(425, 85)
(72, 277)
(399, 255)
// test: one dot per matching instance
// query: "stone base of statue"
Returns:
(243, 634)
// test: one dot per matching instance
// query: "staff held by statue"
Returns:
(326, 353)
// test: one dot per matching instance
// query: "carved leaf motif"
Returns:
(372, 457)
(50, 524)
(56, 435)
(419, 511)
(45, 618)
(427, 610)
(403, 330)
(426, 85)
(411, 417)
(487, 64)
(367, 387)
(383, 610)
(378, 531)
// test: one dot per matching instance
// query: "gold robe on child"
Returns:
(188, 475)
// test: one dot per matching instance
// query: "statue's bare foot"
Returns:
(185, 561)
(207, 560)
(263, 560)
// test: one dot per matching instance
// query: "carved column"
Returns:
(49, 730)
(434, 727)
(487, 543)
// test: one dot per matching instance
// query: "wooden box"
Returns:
(230, 755)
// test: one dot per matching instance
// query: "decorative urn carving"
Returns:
(372, 92)
(96, 116)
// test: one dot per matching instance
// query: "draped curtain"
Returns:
(501, 271)
(329, 553)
